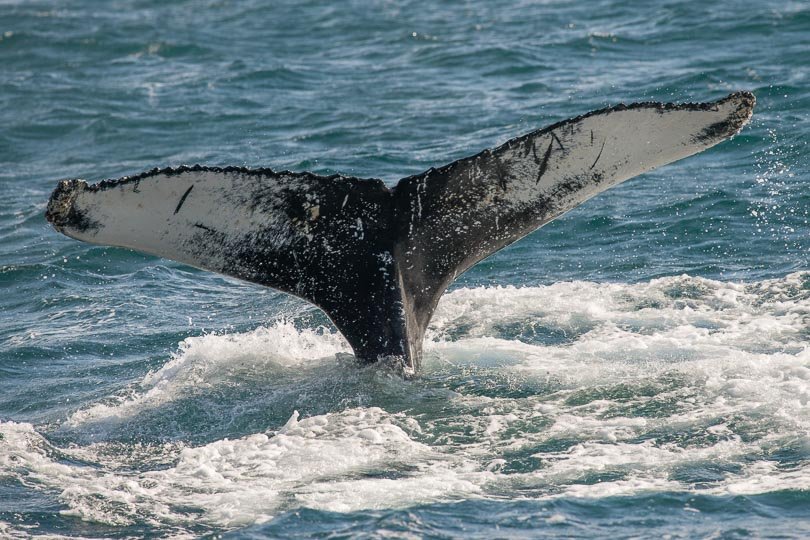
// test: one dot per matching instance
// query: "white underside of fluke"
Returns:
(187, 216)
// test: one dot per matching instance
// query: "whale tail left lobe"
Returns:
(375, 259)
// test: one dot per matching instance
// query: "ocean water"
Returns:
(639, 367)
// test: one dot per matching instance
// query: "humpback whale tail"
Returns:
(377, 259)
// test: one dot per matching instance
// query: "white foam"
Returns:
(634, 384)
(616, 331)
(333, 462)
(205, 362)
(696, 352)
(614, 326)
(20, 531)
(765, 477)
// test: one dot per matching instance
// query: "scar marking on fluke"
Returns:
(558, 141)
(183, 198)
(203, 227)
(544, 165)
(598, 156)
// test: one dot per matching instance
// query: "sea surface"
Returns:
(637, 368)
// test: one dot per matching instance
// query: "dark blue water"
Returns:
(639, 367)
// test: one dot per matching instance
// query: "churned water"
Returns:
(640, 367)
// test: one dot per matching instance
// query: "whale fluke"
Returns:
(377, 259)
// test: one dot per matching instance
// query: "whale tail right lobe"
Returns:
(377, 260)
(450, 218)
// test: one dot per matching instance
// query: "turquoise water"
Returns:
(639, 367)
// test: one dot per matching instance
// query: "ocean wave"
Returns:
(676, 385)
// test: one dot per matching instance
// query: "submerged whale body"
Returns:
(377, 259)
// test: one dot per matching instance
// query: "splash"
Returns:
(203, 363)
(573, 390)
(339, 462)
